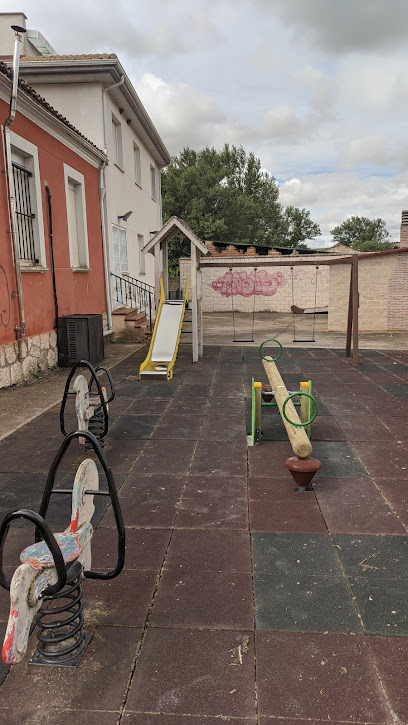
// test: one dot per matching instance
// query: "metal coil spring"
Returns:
(62, 640)
(96, 424)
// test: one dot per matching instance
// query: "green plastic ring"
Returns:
(269, 359)
(294, 395)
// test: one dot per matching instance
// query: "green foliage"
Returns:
(359, 232)
(225, 196)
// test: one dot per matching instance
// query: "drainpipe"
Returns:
(102, 201)
(19, 329)
(102, 195)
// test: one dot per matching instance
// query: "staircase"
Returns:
(136, 305)
(187, 329)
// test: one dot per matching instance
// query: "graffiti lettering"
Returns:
(246, 285)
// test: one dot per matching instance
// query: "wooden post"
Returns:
(297, 436)
(157, 273)
(355, 309)
(193, 287)
(199, 310)
(350, 314)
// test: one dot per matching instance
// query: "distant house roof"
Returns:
(107, 69)
(32, 93)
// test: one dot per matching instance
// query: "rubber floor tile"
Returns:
(363, 428)
(317, 676)
(304, 604)
(110, 653)
(233, 486)
(178, 426)
(134, 427)
(63, 717)
(219, 458)
(152, 502)
(338, 461)
(120, 602)
(373, 556)
(325, 428)
(269, 458)
(302, 517)
(391, 656)
(212, 600)
(277, 489)
(148, 406)
(382, 604)
(214, 428)
(146, 719)
(383, 460)
(292, 554)
(159, 390)
(346, 491)
(171, 457)
(343, 518)
(216, 551)
(121, 455)
(145, 548)
(209, 510)
(195, 672)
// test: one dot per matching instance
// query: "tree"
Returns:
(367, 235)
(225, 196)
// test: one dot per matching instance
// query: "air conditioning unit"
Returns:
(80, 337)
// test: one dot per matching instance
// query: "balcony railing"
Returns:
(131, 292)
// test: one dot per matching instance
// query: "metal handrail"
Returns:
(131, 292)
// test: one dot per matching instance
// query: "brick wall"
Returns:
(274, 282)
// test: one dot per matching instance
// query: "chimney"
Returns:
(404, 229)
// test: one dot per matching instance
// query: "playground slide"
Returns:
(166, 336)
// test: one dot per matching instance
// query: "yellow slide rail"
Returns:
(166, 336)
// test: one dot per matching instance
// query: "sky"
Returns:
(317, 89)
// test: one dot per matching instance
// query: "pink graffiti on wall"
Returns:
(246, 285)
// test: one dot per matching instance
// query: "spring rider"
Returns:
(91, 401)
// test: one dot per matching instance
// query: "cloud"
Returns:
(339, 26)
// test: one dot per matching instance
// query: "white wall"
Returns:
(80, 103)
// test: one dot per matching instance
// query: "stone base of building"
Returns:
(20, 361)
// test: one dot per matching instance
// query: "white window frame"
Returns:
(153, 182)
(123, 231)
(142, 258)
(30, 153)
(117, 141)
(137, 164)
(72, 176)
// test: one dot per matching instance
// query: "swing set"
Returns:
(353, 303)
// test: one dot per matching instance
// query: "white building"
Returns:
(96, 95)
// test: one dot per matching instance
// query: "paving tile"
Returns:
(120, 602)
(188, 671)
(134, 427)
(109, 654)
(29, 716)
(219, 458)
(325, 428)
(227, 551)
(292, 554)
(148, 501)
(277, 489)
(269, 458)
(304, 604)
(373, 556)
(382, 460)
(391, 656)
(290, 516)
(170, 457)
(215, 428)
(363, 428)
(178, 426)
(130, 718)
(338, 461)
(209, 509)
(382, 604)
(213, 600)
(315, 676)
(145, 548)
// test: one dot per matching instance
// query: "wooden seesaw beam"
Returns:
(298, 439)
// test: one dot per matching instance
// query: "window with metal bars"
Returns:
(24, 213)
